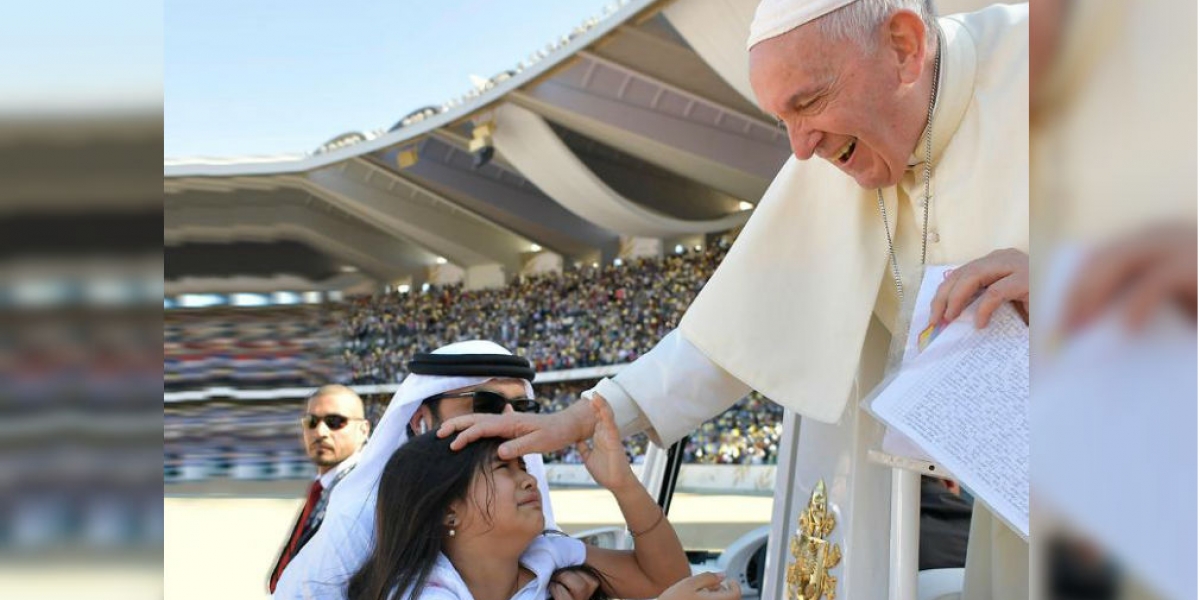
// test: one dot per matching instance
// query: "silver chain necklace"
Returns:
(937, 71)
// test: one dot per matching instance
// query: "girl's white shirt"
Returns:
(543, 557)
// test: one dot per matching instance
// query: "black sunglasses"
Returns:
(333, 422)
(484, 401)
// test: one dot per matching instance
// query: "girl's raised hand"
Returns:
(605, 459)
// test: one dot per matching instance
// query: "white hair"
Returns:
(859, 20)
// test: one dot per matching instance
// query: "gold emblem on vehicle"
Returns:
(814, 555)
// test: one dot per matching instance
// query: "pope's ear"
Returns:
(905, 37)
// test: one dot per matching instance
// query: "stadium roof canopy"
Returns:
(640, 123)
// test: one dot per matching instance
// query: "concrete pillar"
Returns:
(484, 276)
(640, 247)
(538, 263)
(444, 274)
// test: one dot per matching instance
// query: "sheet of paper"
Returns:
(895, 442)
(1115, 430)
(934, 275)
(964, 401)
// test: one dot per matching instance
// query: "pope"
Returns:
(911, 147)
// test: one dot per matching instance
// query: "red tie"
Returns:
(314, 494)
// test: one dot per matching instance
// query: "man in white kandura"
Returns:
(456, 379)
(921, 125)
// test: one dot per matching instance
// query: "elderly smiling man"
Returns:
(910, 136)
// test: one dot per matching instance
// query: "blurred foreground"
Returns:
(1113, 205)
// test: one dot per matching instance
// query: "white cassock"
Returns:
(790, 310)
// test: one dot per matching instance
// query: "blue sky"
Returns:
(267, 76)
(80, 58)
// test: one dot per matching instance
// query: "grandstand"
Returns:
(236, 377)
(569, 208)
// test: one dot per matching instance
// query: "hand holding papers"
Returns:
(1116, 430)
(964, 400)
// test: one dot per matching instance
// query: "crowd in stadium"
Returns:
(590, 316)
(582, 317)
(260, 440)
(579, 318)
(249, 349)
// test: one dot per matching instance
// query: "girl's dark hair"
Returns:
(590, 570)
(421, 480)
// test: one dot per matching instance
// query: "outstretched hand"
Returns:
(705, 586)
(528, 433)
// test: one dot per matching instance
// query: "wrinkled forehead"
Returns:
(800, 54)
(807, 45)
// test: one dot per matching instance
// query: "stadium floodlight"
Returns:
(698, 247)
(424, 287)
(439, 260)
(200, 300)
(678, 248)
(743, 205)
(403, 288)
(618, 262)
(285, 298)
(349, 269)
(406, 157)
(247, 299)
(535, 248)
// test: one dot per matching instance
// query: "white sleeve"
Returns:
(567, 551)
(669, 391)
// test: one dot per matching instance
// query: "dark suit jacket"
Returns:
(945, 524)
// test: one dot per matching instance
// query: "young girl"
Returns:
(468, 526)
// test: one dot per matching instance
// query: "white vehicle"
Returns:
(832, 493)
